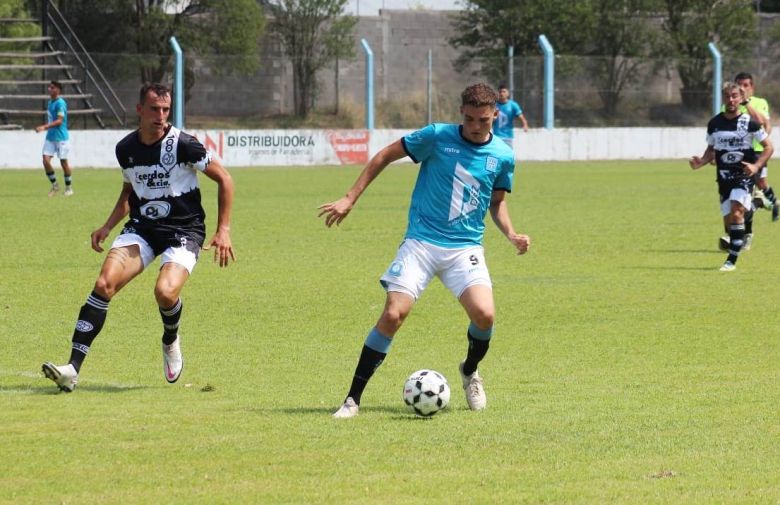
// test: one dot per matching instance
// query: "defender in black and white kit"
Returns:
(730, 137)
(165, 208)
(160, 166)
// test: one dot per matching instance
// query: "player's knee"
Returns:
(394, 317)
(483, 318)
(105, 287)
(165, 294)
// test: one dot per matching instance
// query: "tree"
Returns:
(621, 35)
(312, 33)
(691, 24)
(488, 27)
(613, 33)
(144, 27)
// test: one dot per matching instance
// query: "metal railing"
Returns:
(52, 16)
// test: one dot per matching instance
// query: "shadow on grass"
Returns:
(401, 413)
(674, 268)
(51, 389)
(683, 251)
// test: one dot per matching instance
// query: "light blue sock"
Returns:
(378, 342)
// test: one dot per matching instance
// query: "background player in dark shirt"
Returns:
(730, 136)
(160, 192)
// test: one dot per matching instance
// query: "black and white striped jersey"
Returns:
(732, 140)
(164, 177)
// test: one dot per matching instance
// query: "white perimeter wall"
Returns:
(95, 148)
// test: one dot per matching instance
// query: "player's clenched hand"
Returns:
(335, 212)
(749, 168)
(695, 162)
(521, 242)
(223, 247)
(99, 236)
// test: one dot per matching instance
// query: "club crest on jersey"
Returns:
(742, 125)
(168, 149)
(491, 164)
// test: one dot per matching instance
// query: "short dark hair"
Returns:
(57, 84)
(479, 95)
(729, 86)
(502, 85)
(156, 88)
(742, 76)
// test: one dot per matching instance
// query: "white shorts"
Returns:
(58, 149)
(417, 262)
(179, 255)
(736, 195)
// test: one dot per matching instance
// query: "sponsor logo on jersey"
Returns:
(154, 179)
(156, 210)
(491, 164)
(732, 157)
(451, 150)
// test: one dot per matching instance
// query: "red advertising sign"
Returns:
(351, 146)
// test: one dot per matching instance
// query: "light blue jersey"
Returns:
(455, 184)
(57, 108)
(503, 125)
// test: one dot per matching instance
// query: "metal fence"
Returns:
(221, 97)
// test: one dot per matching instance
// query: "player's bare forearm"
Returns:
(499, 212)
(335, 212)
(767, 153)
(121, 208)
(223, 245)
(697, 162)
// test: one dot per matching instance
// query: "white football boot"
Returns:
(54, 189)
(68, 191)
(348, 409)
(472, 386)
(172, 361)
(65, 376)
(728, 267)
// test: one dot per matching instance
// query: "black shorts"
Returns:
(161, 236)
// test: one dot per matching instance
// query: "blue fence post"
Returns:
(430, 86)
(549, 82)
(178, 85)
(510, 70)
(369, 84)
(717, 78)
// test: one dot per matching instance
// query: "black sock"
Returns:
(170, 319)
(477, 350)
(68, 180)
(737, 236)
(52, 177)
(90, 322)
(748, 222)
(769, 193)
(367, 364)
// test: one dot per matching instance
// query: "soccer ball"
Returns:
(426, 392)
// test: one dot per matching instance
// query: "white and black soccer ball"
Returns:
(426, 392)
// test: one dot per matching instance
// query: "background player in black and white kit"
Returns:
(730, 137)
(160, 193)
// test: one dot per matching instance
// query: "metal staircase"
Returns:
(58, 54)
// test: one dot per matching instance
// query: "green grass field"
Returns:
(624, 368)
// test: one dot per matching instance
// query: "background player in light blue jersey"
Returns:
(56, 143)
(508, 110)
(465, 171)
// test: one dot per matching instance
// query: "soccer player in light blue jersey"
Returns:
(57, 139)
(465, 171)
(508, 110)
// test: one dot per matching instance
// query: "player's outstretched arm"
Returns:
(121, 209)
(499, 211)
(335, 212)
(223, 247)
(696, 162)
